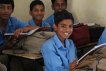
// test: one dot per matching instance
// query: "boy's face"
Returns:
(59, 5)
(5, 11)
(37, 12)
(64, 29)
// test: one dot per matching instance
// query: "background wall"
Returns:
(83, 10)
(89, 11)
(21, 10)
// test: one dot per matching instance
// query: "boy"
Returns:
(9, 24)
(57, 5)
(37, 10)
(59, 52)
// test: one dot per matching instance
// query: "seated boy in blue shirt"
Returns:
(10, 24)
(37, 10)
(57, 5)
(102, 38)
(59, 52)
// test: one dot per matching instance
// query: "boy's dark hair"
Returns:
(53, 1)
(8, 2)
(34, 3)
(59, 16)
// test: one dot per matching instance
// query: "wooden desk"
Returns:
(27, 55)
(85, 48)
(87, 45)
(33, 57)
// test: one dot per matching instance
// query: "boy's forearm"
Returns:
(28, 28)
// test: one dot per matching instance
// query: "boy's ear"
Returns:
(30, 12)
(12, 11)
(52, 7)
(55, 27)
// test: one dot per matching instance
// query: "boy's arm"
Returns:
(24, 30)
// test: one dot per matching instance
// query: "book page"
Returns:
(96, 47)
(28, 33)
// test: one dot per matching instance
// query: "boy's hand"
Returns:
(73, 65)
(24, 30)
(44, 29)
(17, 33)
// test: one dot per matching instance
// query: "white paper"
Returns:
(28, 33)
(96, 47)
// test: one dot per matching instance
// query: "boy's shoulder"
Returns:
(14, 19)
(71, 41)
(49, 18)
(48, 43)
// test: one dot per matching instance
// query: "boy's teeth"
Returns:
(66, 33)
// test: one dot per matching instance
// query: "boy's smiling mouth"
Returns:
(67, 34)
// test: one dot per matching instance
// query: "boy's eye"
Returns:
(63, 4)
(42, 10)
(3, 7)
(35, 10)
(56, 4)
(9, 7)
(70, 26)
(63, 26)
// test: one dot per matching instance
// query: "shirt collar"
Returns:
(59, 43)
(33, 23)
(10, 21)
(8, 25)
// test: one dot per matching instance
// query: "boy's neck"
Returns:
(62, 41)
(38, 22)
(3, 23)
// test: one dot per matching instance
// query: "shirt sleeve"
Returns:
(19, 23)
(50, 20)
(52, 60)
(45, 24)
(102, 39)
(72, 52)
(75, 49)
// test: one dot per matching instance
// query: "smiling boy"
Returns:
(59, 52)
(37, 11)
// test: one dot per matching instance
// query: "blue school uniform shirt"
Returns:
(32, 23)
(56, 56)
(12, 25)
(50, 20)
(102, 38)
(43, 24)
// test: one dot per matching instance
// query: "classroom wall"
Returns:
(88, 11)
(21, 10)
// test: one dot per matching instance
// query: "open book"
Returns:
(96, 47)
(28, 33)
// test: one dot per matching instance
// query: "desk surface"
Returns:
(24, 55)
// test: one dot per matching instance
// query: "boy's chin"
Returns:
(5, 18)
(66, 37)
